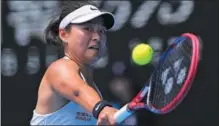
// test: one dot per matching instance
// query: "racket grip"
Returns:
(122, 114)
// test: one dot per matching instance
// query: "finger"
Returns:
(103, 119)
(112, 120)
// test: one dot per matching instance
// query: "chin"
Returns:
(94, 60)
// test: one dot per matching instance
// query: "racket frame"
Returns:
(129, 108)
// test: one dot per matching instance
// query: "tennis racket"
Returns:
(170, 81)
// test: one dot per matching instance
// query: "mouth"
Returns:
(94, 47)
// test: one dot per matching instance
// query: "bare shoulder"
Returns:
(63, 77)
(60, 70)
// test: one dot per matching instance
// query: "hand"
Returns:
(106, 116)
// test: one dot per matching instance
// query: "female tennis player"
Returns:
(67, 94)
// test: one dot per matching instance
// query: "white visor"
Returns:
(87, 13)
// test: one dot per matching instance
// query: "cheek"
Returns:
(103, 41)
(103, 46)
(79, 41)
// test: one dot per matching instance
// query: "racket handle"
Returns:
(122, 114)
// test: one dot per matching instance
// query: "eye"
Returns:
(102, 31)
(88, 29)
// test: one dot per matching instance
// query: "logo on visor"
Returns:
(92, 8)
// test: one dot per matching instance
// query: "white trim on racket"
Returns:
(144, 91)
(149, 92)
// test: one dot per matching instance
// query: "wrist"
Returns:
(99, 106)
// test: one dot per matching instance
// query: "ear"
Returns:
(63, 35)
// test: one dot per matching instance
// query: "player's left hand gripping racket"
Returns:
(170, 81)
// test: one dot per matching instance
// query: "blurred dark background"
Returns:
(25, 56)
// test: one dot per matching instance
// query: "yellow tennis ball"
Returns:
(142, 54)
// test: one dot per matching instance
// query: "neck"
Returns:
(70, 56)
(85, 68)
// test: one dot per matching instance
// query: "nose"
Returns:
(96, 36)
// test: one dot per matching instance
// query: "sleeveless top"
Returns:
(70, 114)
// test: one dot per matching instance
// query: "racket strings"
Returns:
(160, 88)
(175, 74)
(186, 59)
(159, 98)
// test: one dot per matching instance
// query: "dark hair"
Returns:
(66, 7)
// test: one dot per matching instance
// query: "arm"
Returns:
(65, 80)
